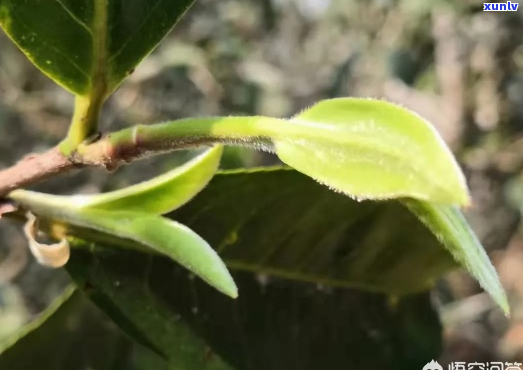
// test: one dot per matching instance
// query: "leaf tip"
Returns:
(467, 203)
(500, 298)
(234, 295)
(505, 308)
(465, 200)
(229, 287)
(497, 292)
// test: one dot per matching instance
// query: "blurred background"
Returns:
(457, 66)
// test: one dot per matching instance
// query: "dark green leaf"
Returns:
(69, 335)
(258, 221)
(147, 319)
(89, 44)
(310, 233)
(280, 222)
(274, 324)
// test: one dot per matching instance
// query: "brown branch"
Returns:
(34, 168)
(110, 151)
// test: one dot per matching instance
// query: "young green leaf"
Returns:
(132, 230)
(367, 149)
(87, 45)
(372, 149)
(165, 236)
(161, 194)
(450, 227)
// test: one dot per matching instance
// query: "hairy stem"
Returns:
(140, 141)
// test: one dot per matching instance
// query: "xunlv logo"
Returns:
(500, 7)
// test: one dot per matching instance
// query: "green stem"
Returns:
(195, 131)
(139, 141)
(84, 123)
(87, 108)
(142, 140)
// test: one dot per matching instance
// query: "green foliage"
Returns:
(451, 228)
(331, 239)
(364, 148)
(373, 150)
(159, 195)
(138, 230)
(274, 323)
(71, 334)
(59, 337)
(81, 44)
(281, 234)
(88, 46)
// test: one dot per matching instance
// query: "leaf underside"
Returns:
(159, 195)
(274, 324)
(329, 238)
(372, 149)
(367, 149)
(293, 261)
(280, 222)
(311, 233)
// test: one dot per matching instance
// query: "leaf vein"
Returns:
(137, 30)
(74, 17)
